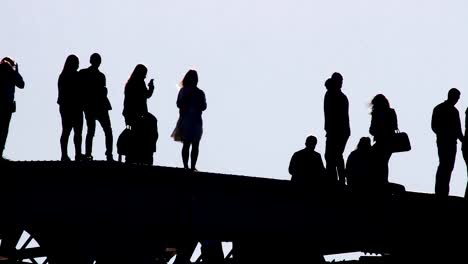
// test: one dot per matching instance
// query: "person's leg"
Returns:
(340, 164)
(66, 130)
(77, 131)
(330, 158)
(91, 124)
(465, 157)
(5, 118)
(185, 153)
(447, 153)
(380, 158)
(194, 155)
(104, 120)
(386, 159)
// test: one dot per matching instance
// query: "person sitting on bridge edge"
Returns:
(306, 166)
(358, 166)
(96, 105)
(447, 127)
(9, 79)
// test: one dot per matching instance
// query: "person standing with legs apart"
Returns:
(336, 109)
(191, 102)
(96, 105)
(71, 108)
(9, 79)
(447, 127)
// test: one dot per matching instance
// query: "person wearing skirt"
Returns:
(191, 102)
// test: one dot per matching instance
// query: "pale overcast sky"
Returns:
(262, 65)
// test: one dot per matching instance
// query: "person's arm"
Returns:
(394, 120)
(459, 129)
(151, 88)
(19, 82)
(293, 166)
(372, 126)
(322, 167)
(104, 84)
(60, 85)
(203, 101)
(466, 120)
(435, 121)
(181, 99)
(327, 109)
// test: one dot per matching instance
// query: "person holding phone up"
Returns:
(9, 79)
(136, 95)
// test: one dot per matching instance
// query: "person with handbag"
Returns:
(447, 126)
(138, 141)
(384, 125)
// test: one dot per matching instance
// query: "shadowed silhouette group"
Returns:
(366, 169)
(82, 95)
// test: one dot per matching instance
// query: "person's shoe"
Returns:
(110, 158)
(65, 159)
(79, 157)
(88, 158)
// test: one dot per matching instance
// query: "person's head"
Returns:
(71, 64)
(338, 79)
(329, 84)
(311, 142)
(190, 79)
(95, 60)
(453, 96)
(364, 143)
(380, 102)
(9, 61)
(139, 73)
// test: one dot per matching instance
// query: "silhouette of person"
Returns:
(465, 148)
(383, 126)
(71, 108)
(336, 109)
(191, 102)
(306, 166)
(447, 127)
(96, 105)
(136, 95)
(9, 79)
(143, 125)
(358, 166)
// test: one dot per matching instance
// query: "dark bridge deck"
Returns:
(87, 210)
